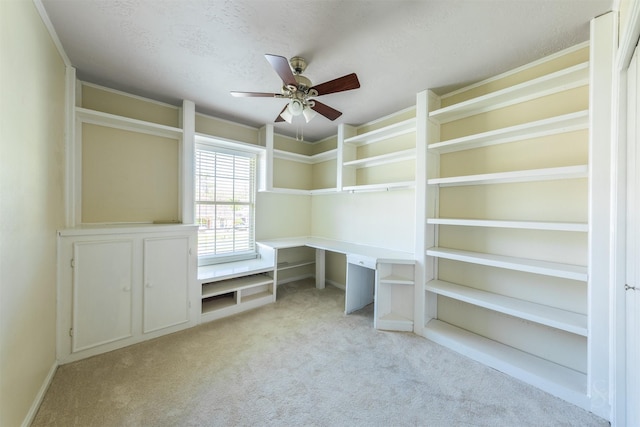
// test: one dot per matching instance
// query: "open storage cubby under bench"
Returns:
(233, 287)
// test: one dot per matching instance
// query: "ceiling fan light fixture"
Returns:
(295, 107)
(308, 114)
(286, 115)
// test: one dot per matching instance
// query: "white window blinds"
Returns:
(225, 197)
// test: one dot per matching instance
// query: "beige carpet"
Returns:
(298, 362)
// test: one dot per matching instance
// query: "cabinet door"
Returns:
(166, 282)
(102, 279)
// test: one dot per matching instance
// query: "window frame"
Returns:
(235, 149)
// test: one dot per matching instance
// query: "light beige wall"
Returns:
(324, 174)
(31, 204)
(225, 129)
(128, 177)
(121, 104)
(291, 174)
(282, 215)
(578, 56)
(384, 218)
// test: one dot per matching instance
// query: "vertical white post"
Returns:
(320, 268)
(187, 159)
(265, 173)
(422, 115)
(602, 48)
(345, 176)
(70, 171)
(628, 40)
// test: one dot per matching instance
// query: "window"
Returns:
(225, 203)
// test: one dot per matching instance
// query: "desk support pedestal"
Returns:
(320, 268)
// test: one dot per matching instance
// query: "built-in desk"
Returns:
(374, 274)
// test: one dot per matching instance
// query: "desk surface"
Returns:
(376, 253)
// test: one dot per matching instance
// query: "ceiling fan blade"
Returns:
(256, 94)
(325, 110)
(348, 82)
(281, 66)
(279, 118)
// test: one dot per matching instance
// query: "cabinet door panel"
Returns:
(102, 279)
(166, 282)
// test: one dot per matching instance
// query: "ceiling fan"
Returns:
(299, 91)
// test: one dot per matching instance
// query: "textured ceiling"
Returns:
(200, 50)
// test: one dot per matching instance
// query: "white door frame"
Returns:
(628, 41)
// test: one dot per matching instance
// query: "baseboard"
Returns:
(336, 284)
(38, 400)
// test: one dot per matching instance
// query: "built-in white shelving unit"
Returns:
(294, 263)
(231, 288)
(394, 297)
(454, 313)
(301, 178)
(228, 294)
(355, 158)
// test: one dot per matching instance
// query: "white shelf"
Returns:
(396, 280)
(551, 126)
(111, 120)
(289, 265)
(548, 174)
(394, 322)
(524, 225)
(559, 81)
(232, 285)
(300, 191)
(555, 379)
(554, 269)
(386, 132)
(383, 159)
(380, 187)
(568, 321)
(302, 158)
(218, 304)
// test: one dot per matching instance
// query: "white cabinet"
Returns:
(122, 285)
(166, 282)
(103, 272)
